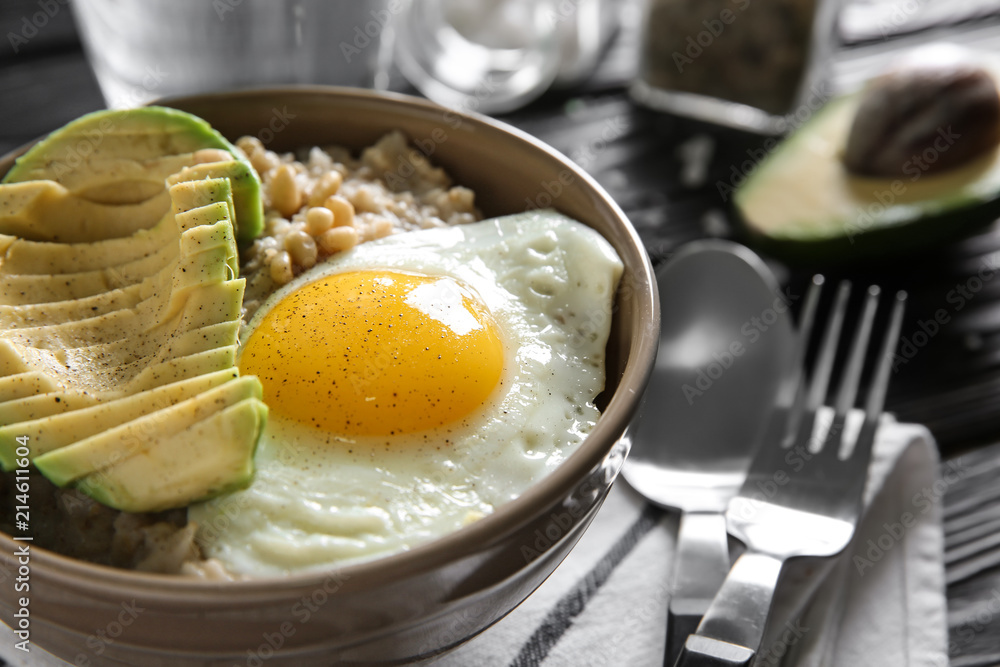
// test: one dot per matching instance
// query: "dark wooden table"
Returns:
(952, 383)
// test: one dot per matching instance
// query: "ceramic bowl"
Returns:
(412, 605)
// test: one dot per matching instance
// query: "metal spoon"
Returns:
(725, 344)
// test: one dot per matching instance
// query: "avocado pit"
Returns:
(924, 117)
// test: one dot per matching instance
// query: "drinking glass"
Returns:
(144, 49)
(497, 55)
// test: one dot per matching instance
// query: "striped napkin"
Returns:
(880, 604)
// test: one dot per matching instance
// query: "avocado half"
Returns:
(126, 151)
(801, 204)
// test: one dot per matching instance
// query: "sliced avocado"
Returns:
(40, 257)
(142, 134)
(11, 362)
(38, 289)
(206, 268)
(156, 346)
(203, 216)
(129, 154)
(46, 361)
(803, 205)
(144, 375)
(43, 405)
(222, 358)
(222, 334)
(25, 384)
(43, 288)
(57, 312)
(46, 211)
(134, 437)
(169, 293)
(245, 184)
(140, 253)
(200, 281)
(213, 303)
(206, 322)
(56, 431)
(78, 333)
(117, 367)
(189, 195)
(123, 180)
(176, 466)
(201, 304)
(208, 235)
(90, 345)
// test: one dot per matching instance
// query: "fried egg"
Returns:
(415, 384)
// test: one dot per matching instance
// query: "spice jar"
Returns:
(741, 63)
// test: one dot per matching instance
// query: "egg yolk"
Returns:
(376, 353)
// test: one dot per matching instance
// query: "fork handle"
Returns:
(700, 567)
(733, 628)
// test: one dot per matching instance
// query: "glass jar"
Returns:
(742, 63)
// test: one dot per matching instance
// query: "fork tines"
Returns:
(808, 401)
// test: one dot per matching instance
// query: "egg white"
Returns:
(320, 499)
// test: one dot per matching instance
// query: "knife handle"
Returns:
(733, 627)
(708, 652)
(700, 567)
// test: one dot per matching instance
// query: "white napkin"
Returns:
(881, 604)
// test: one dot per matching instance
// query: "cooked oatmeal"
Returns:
(322, 201)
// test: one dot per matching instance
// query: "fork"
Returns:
(798, 500)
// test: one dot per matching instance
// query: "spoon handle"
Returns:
(700, 567)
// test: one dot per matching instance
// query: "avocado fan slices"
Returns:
(117, 344)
